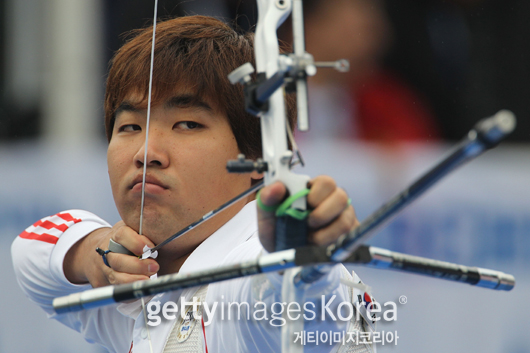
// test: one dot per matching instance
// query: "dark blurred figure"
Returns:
(18, 120)
(469, 57)
(125, 15)
(369, 102)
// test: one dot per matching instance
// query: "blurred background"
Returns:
(422, 74)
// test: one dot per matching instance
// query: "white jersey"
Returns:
(242, 315)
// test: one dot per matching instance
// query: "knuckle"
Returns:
(315, 220)
(324, 181)
(345, 224)
(117, 235)
(352, 217)
(342, 196)
(327, 181)
(111, 276)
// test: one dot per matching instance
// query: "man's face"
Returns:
(189, 144)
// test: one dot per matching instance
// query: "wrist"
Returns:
(82, 259)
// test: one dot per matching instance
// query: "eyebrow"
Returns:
(187, 101)
(180, 101)
(125, 107)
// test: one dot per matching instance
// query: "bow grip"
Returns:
(290, 233)
(291, 222)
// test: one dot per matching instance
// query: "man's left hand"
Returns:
(331, 214)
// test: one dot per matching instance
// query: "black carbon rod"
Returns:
(481, 277)
(486, 134)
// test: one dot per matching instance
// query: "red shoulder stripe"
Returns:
(68, 217)
(49, 225)
(46, 223)
(47, 238)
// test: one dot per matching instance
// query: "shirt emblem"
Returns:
(186, 325)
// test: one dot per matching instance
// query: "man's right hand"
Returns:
(83, 264)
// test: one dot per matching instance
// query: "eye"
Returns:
(187, 125)
(129, 128)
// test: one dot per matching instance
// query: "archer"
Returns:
(198, 122)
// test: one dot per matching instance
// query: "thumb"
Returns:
(270, 196)
(273, 194)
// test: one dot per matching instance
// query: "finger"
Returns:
(328, 209)
(132, 265)
(121, 278)
(130, 239)
(343, 224)
(320, 188)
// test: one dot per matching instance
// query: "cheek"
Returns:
(116, 159)
(206, 163)
(223, 150)
(231, 182)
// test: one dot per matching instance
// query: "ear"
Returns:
(256, 176)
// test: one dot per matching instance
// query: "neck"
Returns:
(172, 256)
(169, 264)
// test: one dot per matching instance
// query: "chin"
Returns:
(157, 228)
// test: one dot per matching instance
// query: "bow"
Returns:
(264, 99)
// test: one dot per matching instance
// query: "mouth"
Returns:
(152, 185)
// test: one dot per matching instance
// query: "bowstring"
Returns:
(149, 94)
(148, 117)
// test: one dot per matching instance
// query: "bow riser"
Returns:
(271, 14)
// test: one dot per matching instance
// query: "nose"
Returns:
(156, 154)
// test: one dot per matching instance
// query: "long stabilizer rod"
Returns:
(481, 277)
(486, 134)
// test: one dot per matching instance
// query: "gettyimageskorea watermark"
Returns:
(345, 338)
(275, 313)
